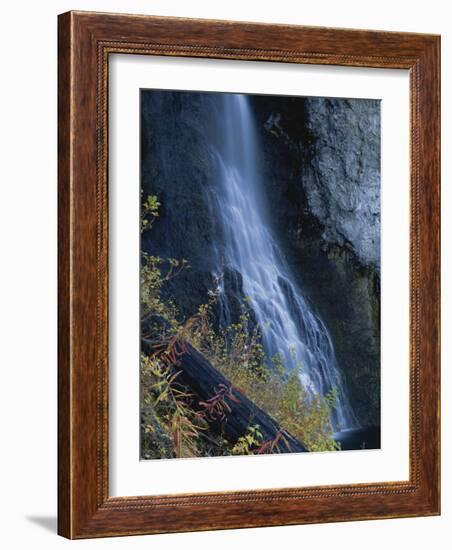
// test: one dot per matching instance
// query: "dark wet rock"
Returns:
(176, 166)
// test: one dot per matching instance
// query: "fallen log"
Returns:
(228, 410)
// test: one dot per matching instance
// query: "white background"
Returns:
(28, 271)
(128, 476)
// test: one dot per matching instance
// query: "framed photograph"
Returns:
(248, 275)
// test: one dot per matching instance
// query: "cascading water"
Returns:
(289, 326)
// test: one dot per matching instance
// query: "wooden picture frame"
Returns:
(86, 40)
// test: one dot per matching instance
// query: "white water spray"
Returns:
(289, 326)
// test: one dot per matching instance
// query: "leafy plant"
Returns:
(149, 211)
(248, 443)
(237, 352)
(171, 425)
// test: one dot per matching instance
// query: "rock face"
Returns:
(343, 183)
(342, 186)
(175, 166)
(320, 163)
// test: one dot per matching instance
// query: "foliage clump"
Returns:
(238, 353)
(170, 425)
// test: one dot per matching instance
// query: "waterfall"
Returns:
(288, 324)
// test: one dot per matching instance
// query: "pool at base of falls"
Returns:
(359, 439)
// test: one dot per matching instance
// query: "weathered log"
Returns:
(228, 410)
